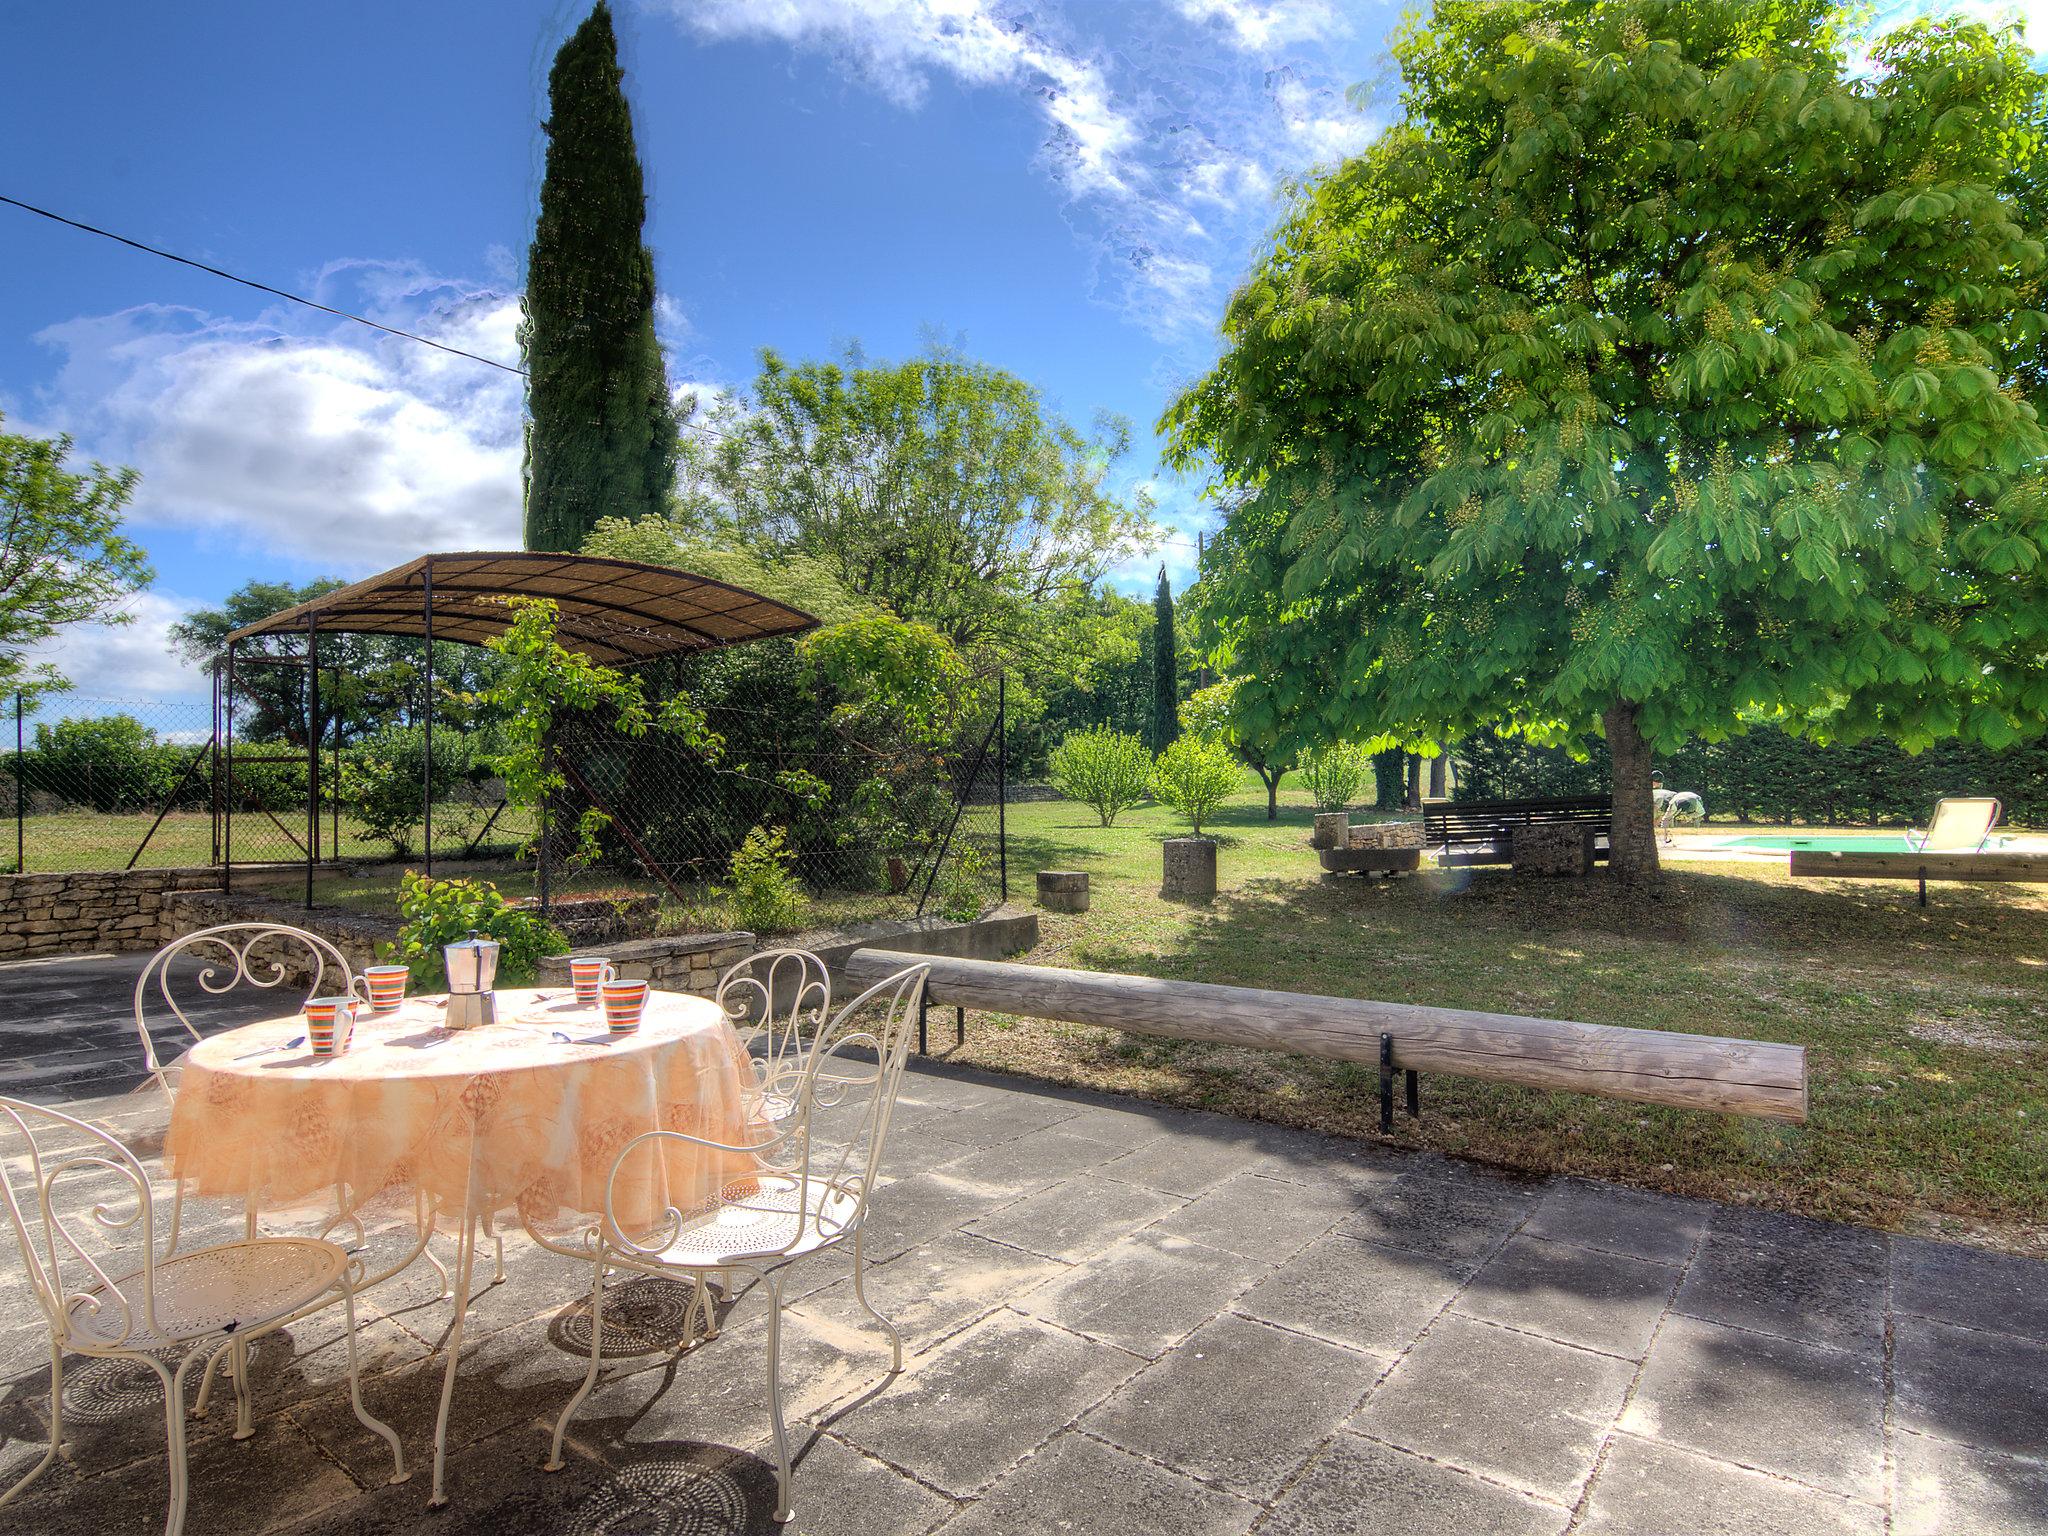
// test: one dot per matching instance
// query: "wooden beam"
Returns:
(1990, 865)
(1648, 1066)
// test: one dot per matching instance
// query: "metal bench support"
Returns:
(1412, 1088)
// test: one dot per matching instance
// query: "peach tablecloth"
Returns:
(502, 1117)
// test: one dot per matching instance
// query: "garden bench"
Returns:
(1483, 831)
(1646, 1066)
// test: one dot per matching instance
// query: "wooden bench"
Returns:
(1483, 831)
(1645, 1066)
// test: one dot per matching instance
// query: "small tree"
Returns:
(1207, 712)
(1194, 776)
(63, 559)
(1332, 774)
(1109, 770)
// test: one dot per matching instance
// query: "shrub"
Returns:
(764, 896)
(439, 912)
(1107, 769)
(963, 888)
(380, 780)
(1332, 774)
(1194, 775)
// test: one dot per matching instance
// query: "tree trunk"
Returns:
(1414, 800)
(1438, 769)
(1272, 778)
(1632, 845)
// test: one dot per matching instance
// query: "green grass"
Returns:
(1926, 1030)
(74, 840)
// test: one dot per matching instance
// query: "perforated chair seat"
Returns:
(223, 1289)
(759, 1219)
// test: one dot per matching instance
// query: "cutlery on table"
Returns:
(291, 1044)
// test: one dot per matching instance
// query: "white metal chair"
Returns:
(223, 953)
(780, 993)
(107, 1289)
(1960, 824)
(228, 957)
(810, 1194)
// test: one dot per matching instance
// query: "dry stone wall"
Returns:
(85, 911)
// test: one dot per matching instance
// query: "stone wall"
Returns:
(357, 935)
(684, 962)
(1387, 834)
(62, 914)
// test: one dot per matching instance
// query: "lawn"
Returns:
(1926, 1030)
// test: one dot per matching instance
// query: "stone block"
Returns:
(1063, 890)
(1552, 850)
(1332, 829)
(1188, 869)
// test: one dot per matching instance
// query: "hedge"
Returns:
(1769, 775)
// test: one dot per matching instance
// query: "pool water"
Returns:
(1826, 844)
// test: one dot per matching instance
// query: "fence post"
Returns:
(227, 797)
(1003, 781)
(427, 717)
(20, 794)
(312, 754)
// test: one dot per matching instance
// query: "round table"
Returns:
(528, 1114)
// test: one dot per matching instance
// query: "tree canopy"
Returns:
(1660, 369)
(940, 487)
(63, 557)
(365, 680)
(602, 440)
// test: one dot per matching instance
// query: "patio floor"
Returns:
(1121, 1319)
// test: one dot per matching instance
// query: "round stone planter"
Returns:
(1189, 869)
(1332, 830)
(1063, 890)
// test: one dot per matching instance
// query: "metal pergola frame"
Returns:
(616, 612)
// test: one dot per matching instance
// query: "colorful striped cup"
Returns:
(329, 1021)
(385, 985)
(587, 973)
(624, 1002)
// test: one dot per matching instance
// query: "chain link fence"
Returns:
(874, 823)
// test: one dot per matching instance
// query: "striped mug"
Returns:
(384, 985)
(624, 1003)
(586, 974)
(329, 1021)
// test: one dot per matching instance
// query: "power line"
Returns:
(296, 298)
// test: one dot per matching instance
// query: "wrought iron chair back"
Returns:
(73, 1256)
(227, 959)
(785, 994)
(853, 1069)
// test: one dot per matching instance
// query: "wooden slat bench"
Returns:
(1483, 831)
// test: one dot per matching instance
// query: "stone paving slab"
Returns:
(1509, 1407)
(1119, 1318)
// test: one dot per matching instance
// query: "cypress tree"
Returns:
(1165, 669)
(602, 437)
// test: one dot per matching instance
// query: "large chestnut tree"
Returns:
(1670, 364)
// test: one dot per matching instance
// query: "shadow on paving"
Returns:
(1121, 1317)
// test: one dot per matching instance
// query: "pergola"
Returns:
(619, 613)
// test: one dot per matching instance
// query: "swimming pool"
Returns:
(1780, 841)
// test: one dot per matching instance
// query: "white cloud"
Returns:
(109, 663)
(1261, 28)
(1168, 132)
(344, 448)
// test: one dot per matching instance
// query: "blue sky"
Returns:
(1066, 188)
(1067, 192)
